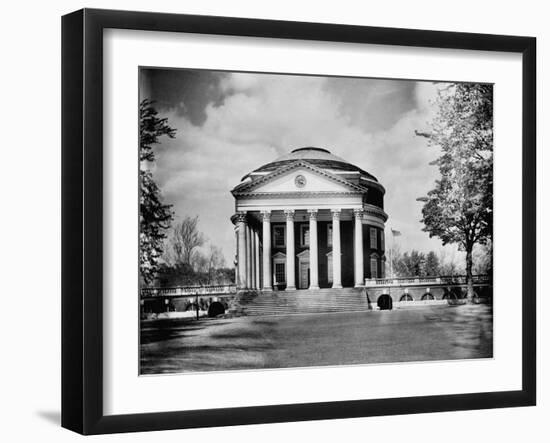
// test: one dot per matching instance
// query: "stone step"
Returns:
(300, 311)
(308, 302)
(324, 300)
(303, 302)
(304, 308)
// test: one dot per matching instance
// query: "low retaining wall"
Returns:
(159, 305)
(414, 296)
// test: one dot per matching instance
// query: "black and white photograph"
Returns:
(295, 221)
(272, 222)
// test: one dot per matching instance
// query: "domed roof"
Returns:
(310, 153)
(320, 157)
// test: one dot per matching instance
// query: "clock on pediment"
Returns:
(300, 181)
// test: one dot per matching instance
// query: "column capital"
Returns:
(289, 213)
(240, 217)
(312, 214)
(358, 212)
(336, 214)
(266, 215)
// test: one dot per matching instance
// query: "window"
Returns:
(279, 236)
(304, 235)
(280, 274)
(373, 267)
(373, 238)
(382, 245)
(329, 235)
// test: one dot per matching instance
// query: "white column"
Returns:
(290, 254)
(313, 250)
(252, 259)
(241, 250)
(266, 234)
(336, 251)
(248, 258)
(359, 275)
(257, 260)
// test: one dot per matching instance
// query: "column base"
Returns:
(290, 288)
(336, 286)
(313, 288)
(359, 285)
(267, 289)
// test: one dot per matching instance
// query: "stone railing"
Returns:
(188, 291)
(426, 281)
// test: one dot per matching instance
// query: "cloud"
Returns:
(370, 123)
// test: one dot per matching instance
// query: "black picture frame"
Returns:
(82, 218)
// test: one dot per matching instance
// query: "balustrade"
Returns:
(183, 291)
(416, 281)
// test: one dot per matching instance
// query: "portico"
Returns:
(301, 226)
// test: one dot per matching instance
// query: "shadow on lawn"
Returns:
(168, 329)
(238, 335)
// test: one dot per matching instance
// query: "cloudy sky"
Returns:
(231, 123)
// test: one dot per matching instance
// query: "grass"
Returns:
(415, 334)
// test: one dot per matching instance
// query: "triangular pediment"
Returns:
(279, 255)
(299, 176)
(304, 255)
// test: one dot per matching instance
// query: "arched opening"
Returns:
(406, 297)
(215, 309)
(449, 296)
(484, 294)
(385, 302)
(428, 296)
(458, 292)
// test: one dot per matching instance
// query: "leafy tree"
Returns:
(155, 216)
(448, 264)
(416, 264)
(151, 128)
(185, 275)
(483, 259)
(432, 267)
(411, 264)
(406, 264)
(460, 207)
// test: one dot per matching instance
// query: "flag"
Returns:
(395, 233)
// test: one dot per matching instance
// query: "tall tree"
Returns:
(460, 207)
(431, 267)
(410, 264)
(185, 240)
(155, 216)
(216, 259)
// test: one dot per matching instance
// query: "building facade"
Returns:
(308, 220)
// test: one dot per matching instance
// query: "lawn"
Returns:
(412, 334)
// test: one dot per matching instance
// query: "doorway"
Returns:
(385, 302)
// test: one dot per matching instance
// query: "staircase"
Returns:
(305, 302)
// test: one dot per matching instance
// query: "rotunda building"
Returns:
(308, 220)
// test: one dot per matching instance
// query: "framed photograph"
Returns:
(269, 221)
